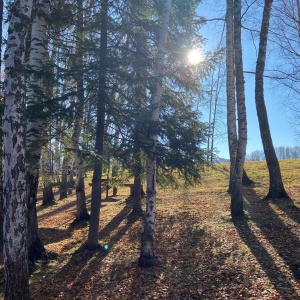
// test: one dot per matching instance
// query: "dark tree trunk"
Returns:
(93, 234)
(137, 193)
(236, 205)
(63, 188)
(1, 132)
(81, 210)
(276, 188)
(246, 181)
(48, 196)
(230, 91)
(35, 246)
(236, 193)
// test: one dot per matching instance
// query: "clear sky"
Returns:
(282, 131)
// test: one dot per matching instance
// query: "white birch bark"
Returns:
(35, 131)
(14, 190)
(147, 247)
(81, 210)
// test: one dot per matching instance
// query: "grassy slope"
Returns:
(201, 253)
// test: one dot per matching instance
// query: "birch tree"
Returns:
(147, 239)
(36, 124)
(276, 187)
(15, 254)
(81, 210)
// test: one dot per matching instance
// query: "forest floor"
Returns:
(201, 252)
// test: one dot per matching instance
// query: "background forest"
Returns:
(99, 96)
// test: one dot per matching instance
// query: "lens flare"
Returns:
(195, 56)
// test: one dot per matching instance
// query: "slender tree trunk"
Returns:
(240, 91)
(276, 188)
(140, 93)
(35, 131)
(92, 241)
(81, 210)
(209, 138)
(230, 88)
(137, 193)
(236, 196)
(147, 240)
(114, 172)
(1, 130)
(63, 188)
(48, 196)
(15, 255)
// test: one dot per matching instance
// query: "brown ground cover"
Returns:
(201, 252)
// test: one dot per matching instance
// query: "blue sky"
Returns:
(282, 131)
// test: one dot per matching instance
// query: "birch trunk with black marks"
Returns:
(93, 235)
(35, 130)
(147, 239)
(15, 255)
(81, 210)
(276, 188)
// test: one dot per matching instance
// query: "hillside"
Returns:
(201, 252)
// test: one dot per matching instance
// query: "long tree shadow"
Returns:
(53, 235)
(115, 222)
(288, 207)
(83, 263)
(277, 278)
(285, 242)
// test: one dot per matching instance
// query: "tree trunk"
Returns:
(276, 188)
(48, 196)
(93, 234)
(1, 130)
(147, 240)
(114, 172)
(240, 91)
(246, 181)
(81, 210)
(231, 110)
(63, 187)
(35, 130)
(137, 193)
(236, 196)
(236, 205)
(15, 255)
(140, 95)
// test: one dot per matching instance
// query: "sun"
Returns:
(195, 56)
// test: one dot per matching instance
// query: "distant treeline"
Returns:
(282, 152)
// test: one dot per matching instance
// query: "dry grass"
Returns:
(202, 253)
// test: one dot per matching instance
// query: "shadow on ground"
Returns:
(271, 227)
